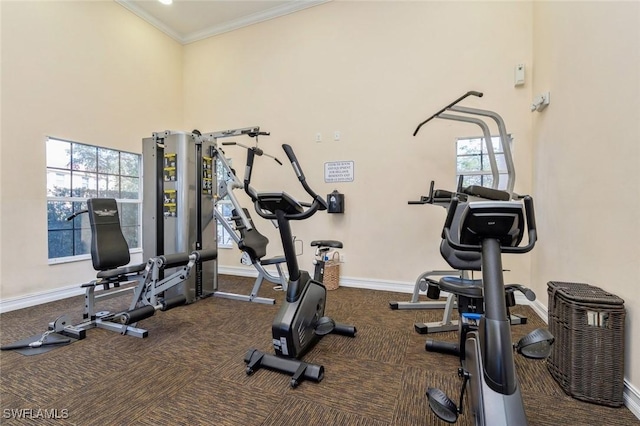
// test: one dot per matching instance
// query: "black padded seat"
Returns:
(326, 243)
(488, 193)
(126, 270)
(253, 242)
(109, 248)
(461, 286)
(273, 260)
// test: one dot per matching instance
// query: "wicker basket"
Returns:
(331, 278)
(587, 359)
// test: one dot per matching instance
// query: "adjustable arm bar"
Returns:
(247, 176)
(251, 153)
(257, 151)
(471, 93)
(250, 131)
(78, 213)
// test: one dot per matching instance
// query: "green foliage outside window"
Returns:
(473, 162)
(78, 171)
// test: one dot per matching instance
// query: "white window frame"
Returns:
(224, 239)
(470, 173)
(71, 199)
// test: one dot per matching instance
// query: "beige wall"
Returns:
(373, 71)
(587, 152)
(93, 72)
(1, 48)
(85, 71)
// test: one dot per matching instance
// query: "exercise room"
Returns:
(319, 212)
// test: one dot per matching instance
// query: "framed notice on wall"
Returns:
(338, 171)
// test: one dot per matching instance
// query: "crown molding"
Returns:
(235, 24)
(150, 19)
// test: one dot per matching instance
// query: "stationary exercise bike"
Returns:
(491, 228)
(300, 322)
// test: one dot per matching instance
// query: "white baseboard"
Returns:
(20, 302)
(383, 285)
(7, 305)
(539, 309)
(239, 271)
(631, 396)
(631, 393)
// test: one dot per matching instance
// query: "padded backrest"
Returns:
(251, 241)
(458, 259)
(109, 249)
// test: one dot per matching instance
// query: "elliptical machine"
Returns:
(491, 228)
(300, 322)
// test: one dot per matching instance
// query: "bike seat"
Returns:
(461, 286)
(326, 243)
(273, 260)
(119, 272)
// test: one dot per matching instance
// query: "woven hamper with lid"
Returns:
(331, 278)
(587, 358)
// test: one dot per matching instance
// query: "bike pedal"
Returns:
(442, 406)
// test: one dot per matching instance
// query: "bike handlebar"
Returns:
(322, 204)
(318, 202)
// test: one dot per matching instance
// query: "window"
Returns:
(224, 205)
(76, 172)
(473, 162)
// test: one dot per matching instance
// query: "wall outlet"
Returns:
(318, 137)
(342, 257)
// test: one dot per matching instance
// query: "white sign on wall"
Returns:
(338, 171)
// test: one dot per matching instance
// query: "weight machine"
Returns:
(178, 205)
(241, 227)
(110, 257)
(425, 282)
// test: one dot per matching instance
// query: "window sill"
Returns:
(80, 258)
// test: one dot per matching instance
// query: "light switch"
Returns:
(519, 75)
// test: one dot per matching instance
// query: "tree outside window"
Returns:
(76, 172)
(473, 162)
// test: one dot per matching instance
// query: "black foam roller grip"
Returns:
(207, 254)
(173, 260)
(294, 161)
(442, 347)
(531, 216)
(137, 314)
(451, 211)
(173, 302)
